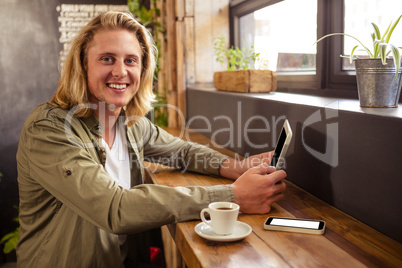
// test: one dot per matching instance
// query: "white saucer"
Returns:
(241, 230)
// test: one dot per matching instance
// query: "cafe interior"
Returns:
(343, 164)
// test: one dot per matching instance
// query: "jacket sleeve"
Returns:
(64, 165)
(159, 146)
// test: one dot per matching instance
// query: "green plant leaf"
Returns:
(133, 5)
(376, 45)
(376, 31)
(7, 237)
(10, 245)
(237, 59)
(380, 45)
(351, 53)
(385, 34)
(161, 113)
(333, 34)
(392, 29)
(220, 49)
(10, 240)
(383, 52)
(373, 37)
(397, 60)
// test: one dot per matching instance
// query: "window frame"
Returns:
(330, 79)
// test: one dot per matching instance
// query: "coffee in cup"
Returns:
(223, 217)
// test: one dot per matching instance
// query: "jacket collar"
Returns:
(93, 124)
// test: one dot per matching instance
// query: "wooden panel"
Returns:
(171, 65)
(172, 110)
(172, 255)
(187, 50)
(220, 26)
(161, 83)
(189, 47)
(189, 8)
(189, 43)
(262, 81)
(180, 9)
(232, 81)
(245, 80)
(181, 93)
(203, 41)
(211, 19)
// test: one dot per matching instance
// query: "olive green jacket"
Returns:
(71, 210)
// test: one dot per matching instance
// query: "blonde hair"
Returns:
(72, 89)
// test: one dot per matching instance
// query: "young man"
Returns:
(82, 198)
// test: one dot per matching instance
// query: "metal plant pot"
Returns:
(374, 83)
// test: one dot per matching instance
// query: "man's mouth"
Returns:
(117, 86)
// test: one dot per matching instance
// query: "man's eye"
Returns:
(131, 61)
(107, 59)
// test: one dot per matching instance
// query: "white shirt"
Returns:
(118, 167)
(117, 159)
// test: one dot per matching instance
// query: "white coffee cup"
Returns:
(223, 217)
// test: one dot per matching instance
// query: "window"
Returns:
(358, 18)
(284, 46)
(284, 31)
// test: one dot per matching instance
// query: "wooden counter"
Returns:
(347, 242)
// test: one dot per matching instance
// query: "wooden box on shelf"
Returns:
(246, 81)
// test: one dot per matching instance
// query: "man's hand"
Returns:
(256, 190)
(233, 169)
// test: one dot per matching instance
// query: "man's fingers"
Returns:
(277, 176)
(262, 169)
(276, 198)
(279, 187)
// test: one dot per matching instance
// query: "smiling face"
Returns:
(114, 67)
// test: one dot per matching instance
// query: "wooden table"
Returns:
(347, 242)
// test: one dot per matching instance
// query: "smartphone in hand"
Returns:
(278, 160)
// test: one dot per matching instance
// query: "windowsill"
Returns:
(343, 104)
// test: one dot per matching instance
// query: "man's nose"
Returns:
(119, 70)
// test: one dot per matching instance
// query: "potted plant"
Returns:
(378, 77)
(239, 76)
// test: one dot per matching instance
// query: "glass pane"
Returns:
(358, 18)
(284, 34)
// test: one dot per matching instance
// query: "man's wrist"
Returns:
(229, 169)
